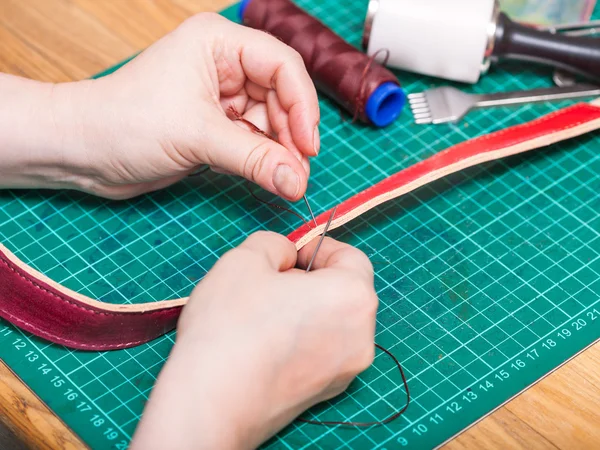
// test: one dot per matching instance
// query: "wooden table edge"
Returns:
(29, 418)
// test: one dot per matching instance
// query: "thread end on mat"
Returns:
(385, 104)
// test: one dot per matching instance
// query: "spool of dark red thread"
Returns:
(354, 80)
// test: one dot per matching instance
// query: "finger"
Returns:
(239, 101)
(273, 248)
(335, 254)
(305, 162)
(271, 64)
(256, 158)
(256, 113)
(279, 121)
(220, 171)
(251, 104)
(259, 116)
(256, 92)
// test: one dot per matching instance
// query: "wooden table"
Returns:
(65, 40)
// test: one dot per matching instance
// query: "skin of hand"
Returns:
(164, 114)
(260, 342)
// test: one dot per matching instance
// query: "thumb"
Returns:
(265, 162)
(277, 250)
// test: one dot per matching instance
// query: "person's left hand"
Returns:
(164, 114)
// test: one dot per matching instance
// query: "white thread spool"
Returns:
(451, 39)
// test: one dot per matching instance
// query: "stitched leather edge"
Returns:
(590, 113)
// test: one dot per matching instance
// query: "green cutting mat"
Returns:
(488, 279)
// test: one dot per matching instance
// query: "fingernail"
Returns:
(306, 164)
(286, 181)
(317, 140)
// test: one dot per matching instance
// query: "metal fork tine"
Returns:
(440, 105)
(448, 104)
(419, 105)
(418, 110)
(422, 115)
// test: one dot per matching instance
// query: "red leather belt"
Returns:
(36, 304)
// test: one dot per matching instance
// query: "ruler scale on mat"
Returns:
(488, 279)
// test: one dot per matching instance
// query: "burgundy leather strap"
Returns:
(36, 304)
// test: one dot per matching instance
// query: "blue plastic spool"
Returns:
(384, 105)
(243, 5)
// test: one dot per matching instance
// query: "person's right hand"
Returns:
(164, 115)
(262, 341)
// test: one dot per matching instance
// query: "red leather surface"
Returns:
(551, 123)
(39, 308)
(35, 306)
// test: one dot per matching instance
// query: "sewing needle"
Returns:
(310, 210)
(314, 256)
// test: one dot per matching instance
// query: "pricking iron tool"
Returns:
(459, 39)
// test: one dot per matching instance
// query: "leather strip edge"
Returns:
(41, 306)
